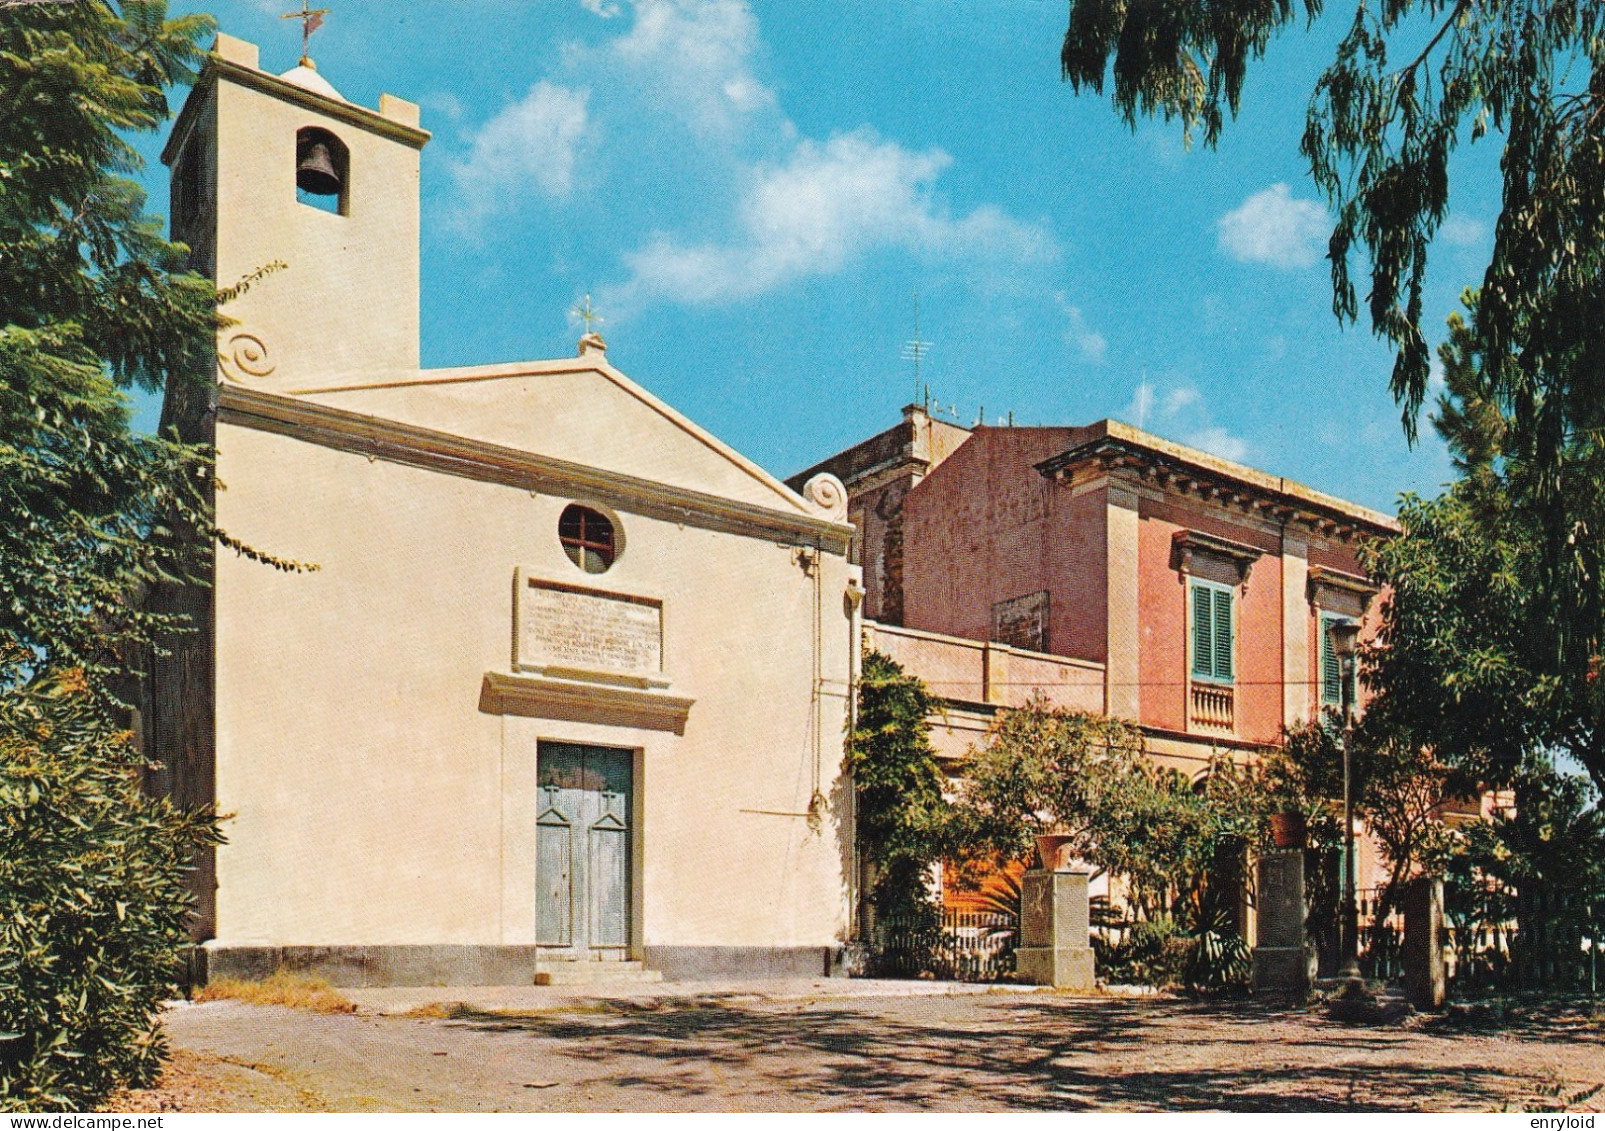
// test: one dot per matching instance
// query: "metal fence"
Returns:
(968, 946)
(1502, 938)
(1381, 936)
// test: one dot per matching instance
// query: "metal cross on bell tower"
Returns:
(311, 20)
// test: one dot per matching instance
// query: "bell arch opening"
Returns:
(322, 171)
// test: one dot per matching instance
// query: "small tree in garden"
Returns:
(902, 814)
(1043, 769)
(1400, 790)
(1176, 849)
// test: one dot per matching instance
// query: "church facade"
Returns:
(538, 672)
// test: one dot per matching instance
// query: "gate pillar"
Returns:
(1055, 934)
(1424, 975)
(1281, 955)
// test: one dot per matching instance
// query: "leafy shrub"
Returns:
(1147, 952)
(902, 814)
(1163, 952)
(92, 899)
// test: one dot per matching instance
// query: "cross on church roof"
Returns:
(311, 20)
(582, 310)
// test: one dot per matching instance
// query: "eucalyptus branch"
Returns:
(1454, 17)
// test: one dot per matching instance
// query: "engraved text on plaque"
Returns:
(567, 626)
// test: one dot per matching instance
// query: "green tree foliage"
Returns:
(92, 301)
(1489, 648)
(1044, 769)
(91, 298)
(902, 814)
(1400, 790)
(92, 906)
(1486, 665)
(1410, 81)
(1538, 864)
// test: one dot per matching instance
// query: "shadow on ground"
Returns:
(1052, 1053)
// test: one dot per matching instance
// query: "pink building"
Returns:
(1108, 568)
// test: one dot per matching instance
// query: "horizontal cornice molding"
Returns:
(390, 440)
(348, 112)
(542, 698)
(1175, 468)
(1323, 580)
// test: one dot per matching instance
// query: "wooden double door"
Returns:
(583, 851)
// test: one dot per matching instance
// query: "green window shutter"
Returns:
(1331, 670)
(1223, 633)
(1203, 634)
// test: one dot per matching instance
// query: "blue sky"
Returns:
(753, 190)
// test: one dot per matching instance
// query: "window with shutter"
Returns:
(1223, 634)
(1212, 631)
(1331, 670)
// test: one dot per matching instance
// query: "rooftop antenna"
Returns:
(914, 349)
(311, 20)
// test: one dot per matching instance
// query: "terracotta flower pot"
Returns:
(1288, 830)
(1053, 852)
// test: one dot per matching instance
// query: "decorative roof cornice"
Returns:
(1176, 467)
(380, 438)
(218, 67)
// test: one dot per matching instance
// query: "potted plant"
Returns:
(1288, 798)
(1289, 828)
(1053, 851)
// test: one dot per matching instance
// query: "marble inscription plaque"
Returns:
(570, 627)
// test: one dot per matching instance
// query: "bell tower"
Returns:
(280, 169)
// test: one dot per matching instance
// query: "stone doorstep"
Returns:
(572, 972)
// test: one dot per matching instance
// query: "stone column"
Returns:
(1295, 629)
(1054, 931)
(1122, 669)
(1425, 980)
(1281, 956)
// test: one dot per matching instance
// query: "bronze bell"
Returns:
(315, 172)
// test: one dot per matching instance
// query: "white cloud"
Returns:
(1436, 381)
(1181, 411)
(822, 207)
(695, 55)
(533, 141)
(678, 94)
(1463, 231)
(1273, 227)
(1178, 399)
(1218, 441)
(1078, 332)
(1141, 406)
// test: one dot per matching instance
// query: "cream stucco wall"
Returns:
(375, 802)
(346, 302)
(577, 409)
(378, 778)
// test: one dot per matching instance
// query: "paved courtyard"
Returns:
(810, 1049)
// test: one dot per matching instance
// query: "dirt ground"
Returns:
(990, 1052)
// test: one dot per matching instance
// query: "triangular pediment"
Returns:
(581, 411)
